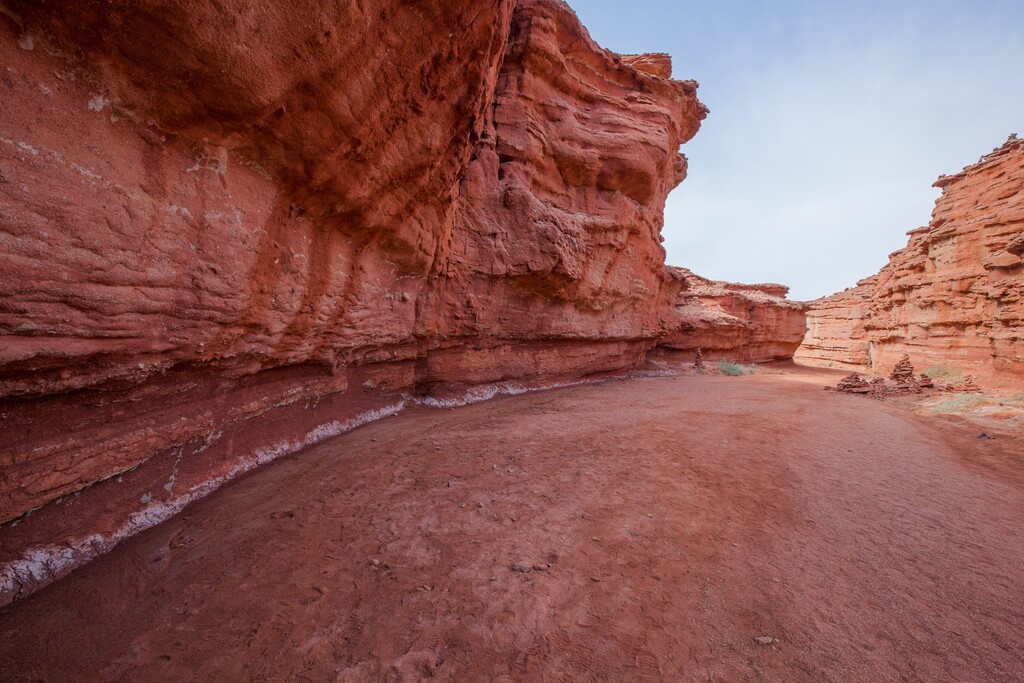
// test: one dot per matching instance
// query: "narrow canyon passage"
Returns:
(650, 529)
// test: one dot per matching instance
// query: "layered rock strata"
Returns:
(724, 320)
(836, 336)
(953, 297)
(233, 229)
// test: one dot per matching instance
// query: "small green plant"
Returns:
(733, 369)
(944, 373)
(962, 402)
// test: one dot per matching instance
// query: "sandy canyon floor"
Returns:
(650, 529)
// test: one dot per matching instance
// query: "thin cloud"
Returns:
(829, 122)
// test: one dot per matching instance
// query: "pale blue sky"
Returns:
(829, 123)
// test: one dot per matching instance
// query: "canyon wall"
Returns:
(836, 336)
(748, 323)
(954, 296)
(232, 229)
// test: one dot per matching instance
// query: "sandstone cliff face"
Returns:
(233, 229)
(953, 296)
(748, 323)
(836, 336)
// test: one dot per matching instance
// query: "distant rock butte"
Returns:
(954, 296)
(233, 229)
(724, 320)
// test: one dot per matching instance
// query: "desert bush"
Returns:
(944, 373)
(962, 402)
(734, 369)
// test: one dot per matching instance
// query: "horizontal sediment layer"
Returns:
(223, 429)
(953, 298)
(235, 228)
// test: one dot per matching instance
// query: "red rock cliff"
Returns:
(748, 323)
(836, 336)
(953, 296)
(232, 229)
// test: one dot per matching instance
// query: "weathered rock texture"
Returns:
(231, 229)
(903, 381)
(749, 323)
(953, 296)
(836, 335)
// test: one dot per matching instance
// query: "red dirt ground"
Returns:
(679, 518)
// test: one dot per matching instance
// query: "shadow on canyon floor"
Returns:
(676, 528)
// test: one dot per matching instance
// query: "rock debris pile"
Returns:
(902, 381)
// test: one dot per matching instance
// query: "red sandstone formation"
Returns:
(750, 323)
(953, 296)
(836, 337)
(234, 229)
